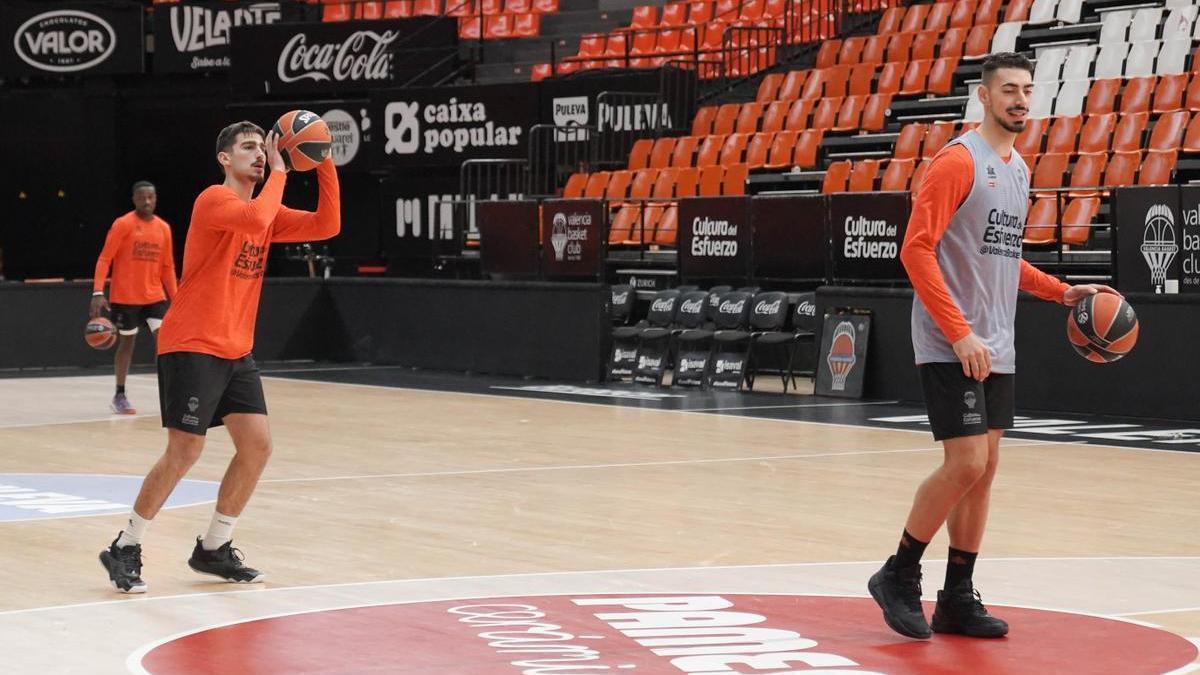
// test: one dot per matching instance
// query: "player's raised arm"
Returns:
(293, 225)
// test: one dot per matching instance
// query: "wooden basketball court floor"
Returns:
(418, 523)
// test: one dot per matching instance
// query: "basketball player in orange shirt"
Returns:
(206, 372)
(139, 251)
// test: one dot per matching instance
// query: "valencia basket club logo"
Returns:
(1158, 243)
(841, 354)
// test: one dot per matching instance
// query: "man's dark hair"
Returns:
(229, 134)
(142, 184)
(1005, 60)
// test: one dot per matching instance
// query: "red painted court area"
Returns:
(659, 634)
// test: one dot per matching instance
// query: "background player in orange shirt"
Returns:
(139, 251)
(206, 372)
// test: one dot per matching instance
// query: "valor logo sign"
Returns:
(65, 41)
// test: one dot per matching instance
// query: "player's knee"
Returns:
(968, 470)
(185, 451)
(258, 447)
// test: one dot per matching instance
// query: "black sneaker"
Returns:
(898, 593)
(124, 565)
(960, 611)
(225, 562)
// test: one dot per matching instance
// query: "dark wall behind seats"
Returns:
(1159, 378)
(536, 329)
(540, 329)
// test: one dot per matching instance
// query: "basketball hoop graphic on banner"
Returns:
(1158, 243)
(558, 235)
(841, 358)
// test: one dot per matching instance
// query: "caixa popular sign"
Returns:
(70, 38)
(316, 58)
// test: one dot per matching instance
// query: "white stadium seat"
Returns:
(1115, 26)
(1079, 62)
(1042, 12)
(1070, 98)
(1005, 39)
(1140, 61)
(1049, 64)
(1145, 24)
(1111, 62)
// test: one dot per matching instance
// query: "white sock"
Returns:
(220, 530)
(134, 530)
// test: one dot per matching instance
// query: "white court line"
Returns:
(840, 404)
(1164, 611)
(610, 406)
(515, 575)
(621, 465)
(111, 418)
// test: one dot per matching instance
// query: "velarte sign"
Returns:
(194, 37)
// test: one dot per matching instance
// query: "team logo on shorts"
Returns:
(970, 417)
(190, 418)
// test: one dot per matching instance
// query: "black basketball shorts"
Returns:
(127, 317)
(196, 391)
(960, 406)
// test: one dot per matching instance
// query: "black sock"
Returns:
(120, 389)
(959, 566)
(910, 551)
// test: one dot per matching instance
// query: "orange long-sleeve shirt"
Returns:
(951, 175)
(224, 259)
(139, 253)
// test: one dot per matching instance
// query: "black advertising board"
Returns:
(1147, 239)
(51, 38)
(790, 239)
(350, 126)
(336, 58)
(440, 126)
(714, 238)
(842, 361)
(417, 215)
(193, 37)
(508, 238)
(1189, 238)
(575, 102)
(866, 232)
(572, 231)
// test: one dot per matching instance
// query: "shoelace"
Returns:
(131, 558)
(912, 583)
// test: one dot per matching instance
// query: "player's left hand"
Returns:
(1076, 293)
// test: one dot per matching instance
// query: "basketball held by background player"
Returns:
(139, 252)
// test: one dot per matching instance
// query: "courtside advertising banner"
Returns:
(193, 37)
(335, 58)
(440, 126)
(867, 231)
(790, 239)
(1149, 230)
(1189, 235)
(572, 230)
(51, 38)
(842, 361)
(714, 237)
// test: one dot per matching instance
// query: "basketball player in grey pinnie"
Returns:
(962, 253)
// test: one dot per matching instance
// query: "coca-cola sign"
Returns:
(323, 58)
(360, 57)
(70, 39)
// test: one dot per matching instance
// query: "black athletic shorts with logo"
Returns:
(960, 406)
(127, 317)
(196, 391)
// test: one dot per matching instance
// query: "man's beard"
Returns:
(1010, 127)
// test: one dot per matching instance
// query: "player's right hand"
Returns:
(99, 305)
(975, 357)
(274, 159)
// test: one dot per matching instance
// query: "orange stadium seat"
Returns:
(1097, 132)
(862, 175)
(835, 177)
(908, 143)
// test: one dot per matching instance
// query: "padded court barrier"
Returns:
(1149, 382)
(531, 329)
